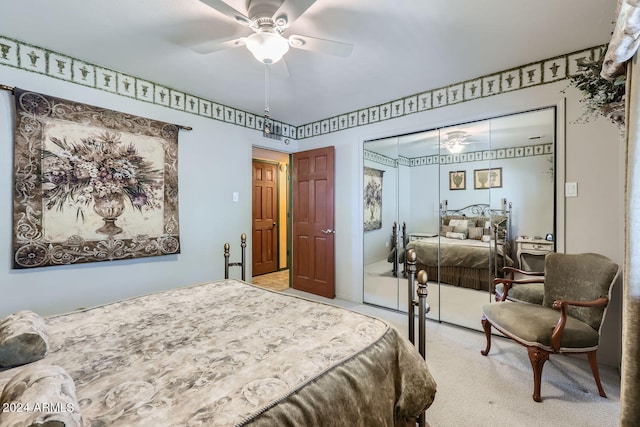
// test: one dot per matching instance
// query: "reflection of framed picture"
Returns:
(372, 198)
(487, 178)
(457, 180)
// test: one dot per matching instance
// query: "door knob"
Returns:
(274, 224)
(328, 231)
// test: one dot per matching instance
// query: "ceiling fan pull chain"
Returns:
(266, 90)
(266, 99)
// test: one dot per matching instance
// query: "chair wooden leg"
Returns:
(487, 333)
(596, 374)
(537, 357)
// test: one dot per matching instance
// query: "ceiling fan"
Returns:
(269, 19)
(455, 141)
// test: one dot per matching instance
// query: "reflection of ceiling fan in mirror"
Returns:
(269, 19)
(455, 141)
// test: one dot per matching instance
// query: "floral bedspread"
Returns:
(229, 353)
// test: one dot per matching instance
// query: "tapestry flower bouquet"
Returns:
(102, 171)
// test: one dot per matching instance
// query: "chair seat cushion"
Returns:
(533, 293)
(532, 325)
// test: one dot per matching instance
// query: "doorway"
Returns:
(270, 219)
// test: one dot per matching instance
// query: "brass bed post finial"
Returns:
(411, 274)
(227, 264)
(226, 260)
(243, 244)
(423, 309)
(444, 207)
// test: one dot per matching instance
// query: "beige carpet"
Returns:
(452, 304)
(278, 281)
(495, 390)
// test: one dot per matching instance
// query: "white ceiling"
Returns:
(401, 47)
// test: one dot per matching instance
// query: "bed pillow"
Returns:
(454, 235)
(444, 229)
(462, 225)
(23, 339)
(37, 385)
(476, 233)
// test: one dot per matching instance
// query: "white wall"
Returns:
(214, 161)
(592, 222)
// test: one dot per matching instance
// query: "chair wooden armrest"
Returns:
(512, 270)
(509, 282)
(561, 305)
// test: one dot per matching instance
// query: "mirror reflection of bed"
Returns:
(501, 170)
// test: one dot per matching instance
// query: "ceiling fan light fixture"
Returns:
(455, 148)
(267, 47)
(454, 142)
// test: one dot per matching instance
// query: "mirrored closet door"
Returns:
(383, 265)
(467, 198)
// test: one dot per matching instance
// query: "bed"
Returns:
(472, 246)
(228, 353)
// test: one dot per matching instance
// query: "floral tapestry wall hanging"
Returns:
(91, 184)
(372, 199)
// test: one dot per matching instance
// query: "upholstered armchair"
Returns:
(529, 290)
(577, 288)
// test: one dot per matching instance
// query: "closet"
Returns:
(493, 179)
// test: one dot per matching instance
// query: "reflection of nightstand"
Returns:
(420, 236)
(536, 248)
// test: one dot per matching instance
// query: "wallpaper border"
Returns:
(27, 57)
(525, 76)
(473, 156)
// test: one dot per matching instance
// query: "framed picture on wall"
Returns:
(457, 180)
(487, 178)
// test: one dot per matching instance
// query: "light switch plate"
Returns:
(236, 196)
(571, 189)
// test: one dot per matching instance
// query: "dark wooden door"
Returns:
(313, 222)
(265, 214)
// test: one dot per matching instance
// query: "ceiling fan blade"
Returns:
(329, 47)
(227, 10)
(218, 45)
(291, 10)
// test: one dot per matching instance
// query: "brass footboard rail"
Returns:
(423, 308)
(241, 264)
